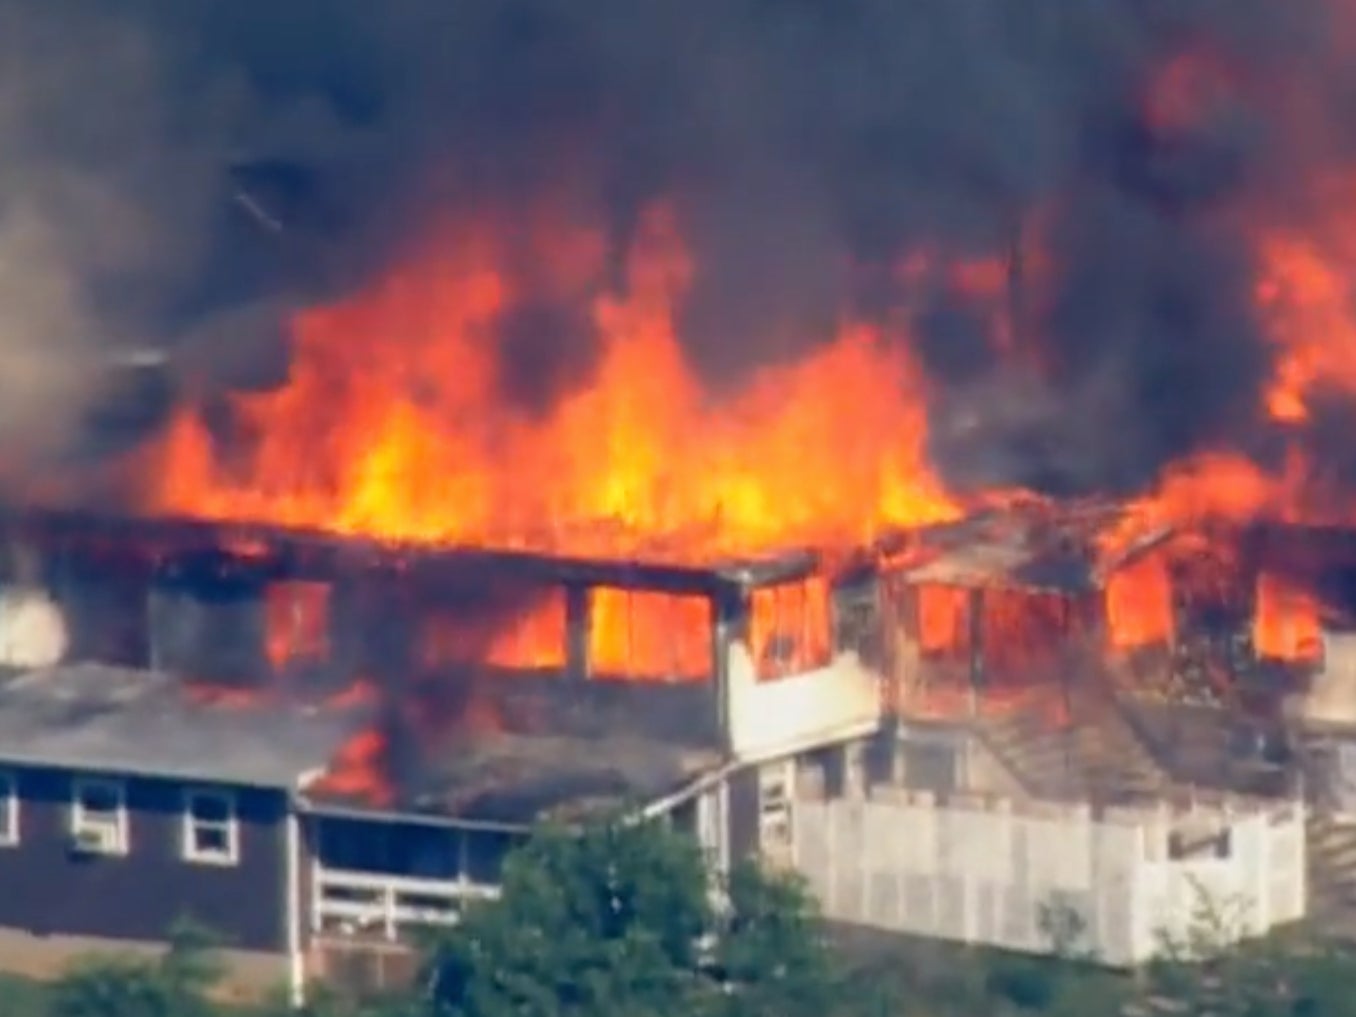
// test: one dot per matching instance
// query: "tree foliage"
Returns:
(1210, 972)
(175, 984)
(770, 950)
(621, 920)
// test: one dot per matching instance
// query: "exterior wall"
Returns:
(983, 872)
(1330, 770)
(944, 758)
(783, 715)
(48, 891)
(983, 773)
(683, 713)
(976, 671)
(1263, 884)
(1331, 696)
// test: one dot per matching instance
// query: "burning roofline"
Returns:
(1040, 547)
(274, 552)
(293, 553)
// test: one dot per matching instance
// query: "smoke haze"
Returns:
(183, 174)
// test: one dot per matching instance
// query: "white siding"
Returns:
(781, 715)
(982, 871)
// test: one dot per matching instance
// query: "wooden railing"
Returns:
(357, 902)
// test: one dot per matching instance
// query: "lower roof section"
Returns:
(131, 722)
(516, 780)
(1069, 550)
(125, 722)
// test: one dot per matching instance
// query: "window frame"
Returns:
(189, 851)
(776, 793)
(9, 793)
(790, 641)
(80, 819)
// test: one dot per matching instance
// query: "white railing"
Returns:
(355, 902)
(903, 862)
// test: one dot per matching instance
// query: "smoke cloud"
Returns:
(181, 174)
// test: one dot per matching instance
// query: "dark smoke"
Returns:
(183, 173)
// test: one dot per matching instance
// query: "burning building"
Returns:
(456, 695)
(368, 725)
(890, 462)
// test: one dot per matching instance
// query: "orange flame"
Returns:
(1305, 294)
(789, 627)
(644, 634)
(296, 623)
(1286, 622)
(358, 771)
(943, 618)
(1139, 608)
(1023, 631)
(532, 637)
(393, 424)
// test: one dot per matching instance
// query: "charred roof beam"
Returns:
(272, 552)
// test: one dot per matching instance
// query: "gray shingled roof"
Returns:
(120, 720)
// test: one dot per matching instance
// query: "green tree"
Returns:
(178, 983)
(770, 951)
(618, 920)
(1319, 978)
(601, 922)
(1213, 971)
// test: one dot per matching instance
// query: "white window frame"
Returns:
(776, 789)
(191, 824)
(81, 820)
(9, 794)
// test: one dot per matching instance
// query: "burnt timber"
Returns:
(514, 781)
(1024, 548)
(271, 552)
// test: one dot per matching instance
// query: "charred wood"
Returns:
(272, 552)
